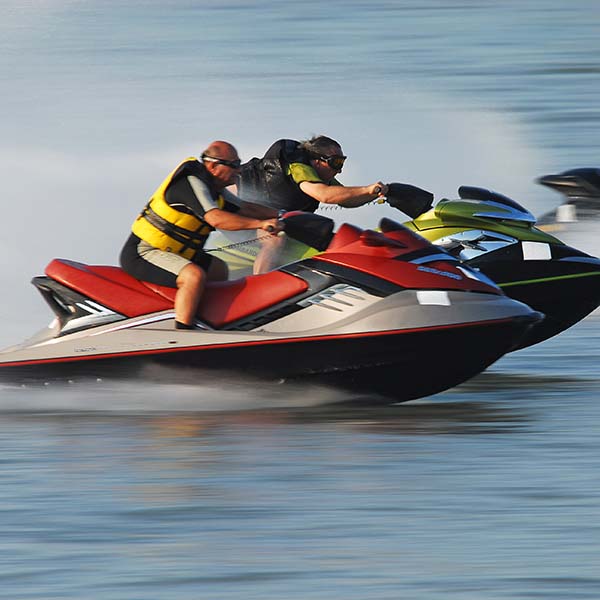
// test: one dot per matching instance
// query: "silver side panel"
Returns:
(342, 311)
(474, 242)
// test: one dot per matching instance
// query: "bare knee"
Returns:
(191, 277)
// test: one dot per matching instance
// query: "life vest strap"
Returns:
(179, 234)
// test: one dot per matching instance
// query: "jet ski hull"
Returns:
(393, 365)
(565, 292)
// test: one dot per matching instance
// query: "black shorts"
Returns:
(142, 261)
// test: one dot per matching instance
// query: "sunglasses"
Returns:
(232, 164)
(336, 162)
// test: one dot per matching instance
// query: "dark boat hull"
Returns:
(565, 292)
(395, 366)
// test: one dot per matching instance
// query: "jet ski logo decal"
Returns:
(440, 272)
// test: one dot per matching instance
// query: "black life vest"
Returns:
(265, 180)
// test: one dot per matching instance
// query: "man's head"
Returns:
(222, 162)
(326, 156)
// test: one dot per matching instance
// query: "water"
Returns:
(490, 490)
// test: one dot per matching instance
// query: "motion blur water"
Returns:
(490, 490)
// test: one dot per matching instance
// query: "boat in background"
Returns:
(577, 219)
(581, 190)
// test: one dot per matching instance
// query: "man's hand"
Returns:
(378, 189)
(272, 226)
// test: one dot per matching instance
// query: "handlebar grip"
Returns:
(378, 190)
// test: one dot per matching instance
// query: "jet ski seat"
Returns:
(223, 302)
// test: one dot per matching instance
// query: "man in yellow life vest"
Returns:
(166, 243)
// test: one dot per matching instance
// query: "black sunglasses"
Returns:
(336, 162)
(233, 164)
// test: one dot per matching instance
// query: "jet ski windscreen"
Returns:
(469, 192)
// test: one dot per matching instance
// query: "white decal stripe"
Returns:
(436, 297)
(536, 251)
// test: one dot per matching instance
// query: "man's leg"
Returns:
(190, 285)
(217, 270)
(270, 252)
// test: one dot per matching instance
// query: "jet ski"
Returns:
(577, 218)
(496, 236)
(581, 191)
(386, 313)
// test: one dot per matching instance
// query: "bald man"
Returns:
(167, 238)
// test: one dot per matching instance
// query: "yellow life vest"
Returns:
(169, 229)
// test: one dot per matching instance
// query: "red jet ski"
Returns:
(384, 313)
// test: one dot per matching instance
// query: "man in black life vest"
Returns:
(299, 176)
(166, 243)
